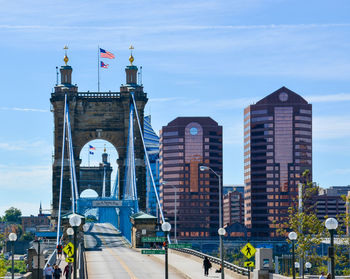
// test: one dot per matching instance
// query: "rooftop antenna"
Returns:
(56, 75)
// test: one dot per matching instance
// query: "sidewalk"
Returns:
(191, 266)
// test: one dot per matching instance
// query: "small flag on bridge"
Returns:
(103, 65)
(91, 147)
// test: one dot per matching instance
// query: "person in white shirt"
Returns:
(48, 272)
(322, 276)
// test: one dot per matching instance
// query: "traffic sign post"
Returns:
(248, 250)
(249, 264)
(153, 239)
(69, 249)
(180, 245)
(152, 251)
(69, 260)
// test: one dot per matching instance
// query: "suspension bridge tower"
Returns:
(96, 115)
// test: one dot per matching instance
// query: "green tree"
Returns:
(13, 215)
(3, 268)
(310, 230)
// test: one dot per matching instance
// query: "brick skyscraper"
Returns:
(277, 149)
(186, 144)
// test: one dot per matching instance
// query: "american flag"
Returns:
(103, 65)
(106, 54)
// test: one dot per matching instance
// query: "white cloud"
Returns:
(341, 172)
(171, 28)
(340, 97)
(35, 146)
(25, 177)
(25, 109)
(331, 127)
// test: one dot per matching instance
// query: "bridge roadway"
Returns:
(108, 255)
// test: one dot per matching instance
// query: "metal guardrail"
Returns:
(82, 261)
(52, 259)
(227, 265)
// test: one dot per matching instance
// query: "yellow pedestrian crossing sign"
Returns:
(69, 260)
(249, 264)
(248, 250)
(69, 249)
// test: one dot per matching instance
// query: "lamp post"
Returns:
(204, 168)
(221, 233)
(292, 237)
(75, 222)
(308, 265)
(175, 211)
(36, 245)
(166, 227)
(13, 238)
(331, 224)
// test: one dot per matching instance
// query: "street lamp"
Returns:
(204, 168)
(166, 227)
(13, 238)
(221, 233)
(75, 222)
(331, 224)
(175, 211)
(308, 266)
(292, 237)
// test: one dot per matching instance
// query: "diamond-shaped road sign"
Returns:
(248, 250)
(69, 249)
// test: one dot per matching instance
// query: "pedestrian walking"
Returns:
(67, 271)
(322, 276)
(59, 250)
(48, 272)
(206, 266)
(57, 272)
(329, 276)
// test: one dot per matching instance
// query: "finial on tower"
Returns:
(104, 150)
(131, 58)
(65, 59)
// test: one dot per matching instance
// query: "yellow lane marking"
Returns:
(132, 275)
(123, 264)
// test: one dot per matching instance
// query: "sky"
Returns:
(199, 58)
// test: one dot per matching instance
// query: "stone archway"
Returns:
(103, 115)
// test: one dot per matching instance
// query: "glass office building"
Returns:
(186, 144)
(277, 150)
(152, 147)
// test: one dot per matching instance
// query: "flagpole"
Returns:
(89, 157)
(98, 69)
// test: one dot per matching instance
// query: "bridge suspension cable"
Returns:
(130, 189)
(147, 159)
(61, 178)
(71, 158)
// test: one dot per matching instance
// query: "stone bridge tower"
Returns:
(96, 115)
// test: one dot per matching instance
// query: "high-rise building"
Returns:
(152, 147)
(187, 143)
(277, 150)
(233, 206)
(230, 188)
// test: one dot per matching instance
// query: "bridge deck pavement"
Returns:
(109, 256)
(191, 266)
